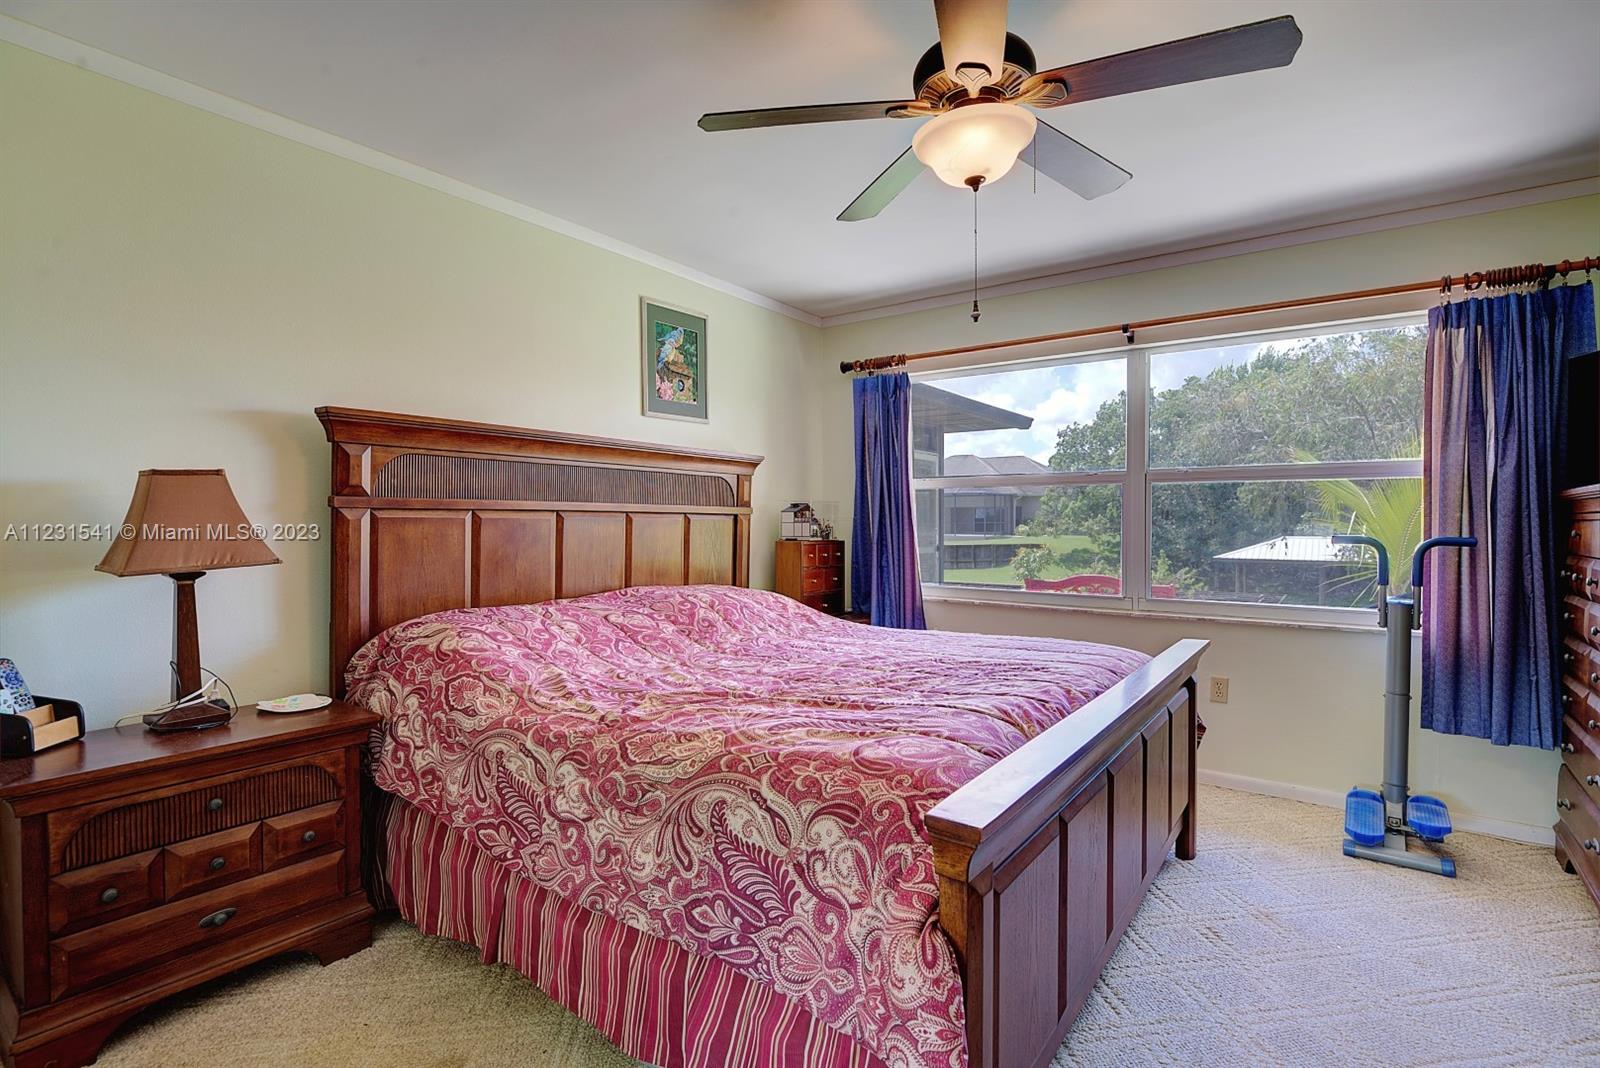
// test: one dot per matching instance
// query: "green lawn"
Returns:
(1005, 576)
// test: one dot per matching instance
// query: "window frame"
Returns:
(1139, 480)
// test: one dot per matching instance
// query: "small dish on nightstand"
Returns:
(300, 702)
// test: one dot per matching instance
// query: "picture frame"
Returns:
(672, 371)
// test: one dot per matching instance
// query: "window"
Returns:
(1019, 475)
(1160, 478)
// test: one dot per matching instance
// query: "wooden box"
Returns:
(53, 721)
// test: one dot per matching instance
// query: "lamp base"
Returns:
(189, 718)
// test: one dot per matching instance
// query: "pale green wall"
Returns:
(181, 290)
(1305, 705)
(177, 289)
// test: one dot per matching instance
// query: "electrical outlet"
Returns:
(1219, 689)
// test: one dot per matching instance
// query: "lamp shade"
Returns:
(974, 141)
(183, 521)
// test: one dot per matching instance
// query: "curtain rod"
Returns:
(1496, 278)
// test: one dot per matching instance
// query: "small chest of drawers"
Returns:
(1577, 825)
(812, 572)
(134, 865)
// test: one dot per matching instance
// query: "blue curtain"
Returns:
(883, 546)
(1495, 425)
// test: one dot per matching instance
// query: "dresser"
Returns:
(135, 865)
(812, 572)
(1578, 782)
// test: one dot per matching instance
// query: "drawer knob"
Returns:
(1592, 845)
(1592, 725)
(1566, 658)
(1566, 747)
(1592, 780)
(218, 918)
(1563, 804)
(215, 804)
(218, 863)
(108, 895)
(309, 837)
(1594, 632)
(1594, 678)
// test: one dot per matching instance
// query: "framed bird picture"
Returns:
(674, 371)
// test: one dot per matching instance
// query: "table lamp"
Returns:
(182, 524)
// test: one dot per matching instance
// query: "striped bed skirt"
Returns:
(656, 1000)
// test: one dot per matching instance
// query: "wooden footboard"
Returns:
(1044, 858)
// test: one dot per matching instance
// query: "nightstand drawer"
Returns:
(212, 861)
(105, 891)
(91, 834)
(136, 943)
(298, 834)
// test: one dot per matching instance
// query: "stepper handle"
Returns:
(1364, 539)
(1435, 543)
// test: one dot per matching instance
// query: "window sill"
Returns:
(945, 595)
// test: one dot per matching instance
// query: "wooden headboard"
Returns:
(431, 514)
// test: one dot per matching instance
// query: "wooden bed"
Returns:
(1042, 860)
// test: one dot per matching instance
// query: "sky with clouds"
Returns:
(1061, 395)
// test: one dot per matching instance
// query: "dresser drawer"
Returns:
(831, 603)
(1580, 704)
(1581, 575)
(94, 833)
(136, 943)
(1581, 817)
(1581, 757)
(1581, 619)
(213, 860)
(1580, 662)
(820, 580)
(1583, 537)
(288, 838)
(105, 891)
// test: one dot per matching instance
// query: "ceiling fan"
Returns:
(977, 83)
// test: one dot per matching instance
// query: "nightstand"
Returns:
(812, 572)
(135, 865)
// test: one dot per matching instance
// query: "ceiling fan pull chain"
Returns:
(975, 311)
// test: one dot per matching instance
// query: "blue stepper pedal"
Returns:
(1363, 816)
(1428, 817)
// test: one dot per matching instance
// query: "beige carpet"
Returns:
(1270, 949)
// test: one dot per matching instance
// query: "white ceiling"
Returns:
(587, 111)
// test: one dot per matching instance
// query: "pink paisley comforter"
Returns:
(727, 769)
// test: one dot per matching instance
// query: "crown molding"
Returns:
(97, 61)
(87, 57)
(1393, 220)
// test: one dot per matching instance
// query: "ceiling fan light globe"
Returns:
(974, 141)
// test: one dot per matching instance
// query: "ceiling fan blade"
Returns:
(884, 188)
(747, 120)
(1253, 46)
(972, 37)
(1073, 164)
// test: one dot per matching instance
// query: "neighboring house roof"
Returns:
(1289, 548)
(967, 464)
(954, 414)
